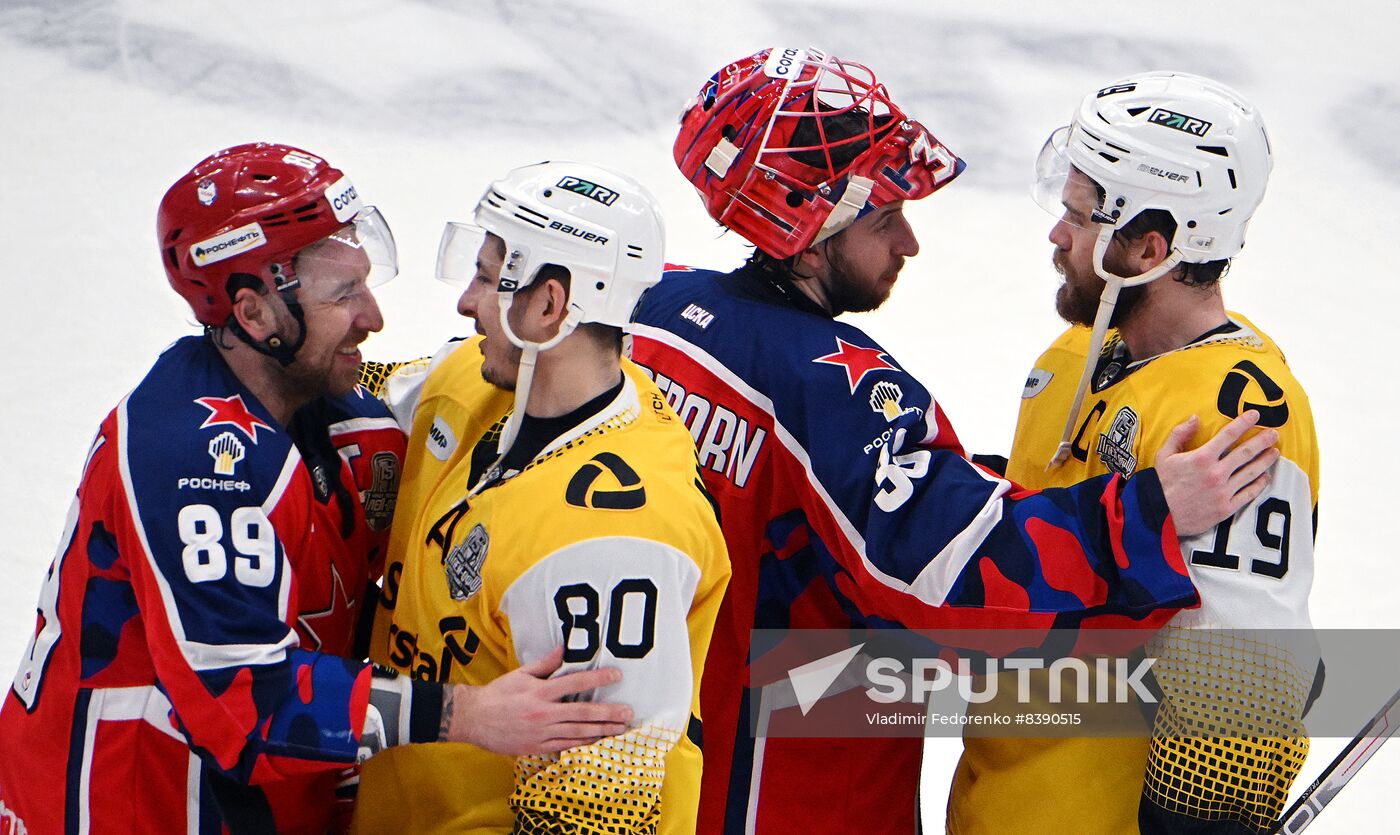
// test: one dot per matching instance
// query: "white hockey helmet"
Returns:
(604, 227)
(1184, 144)
(1172, 141)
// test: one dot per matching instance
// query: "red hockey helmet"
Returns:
(788, 146)
(249, 209)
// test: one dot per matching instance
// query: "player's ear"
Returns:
(556, 301)
(810, 262)
(1154, 249)
(253, 312)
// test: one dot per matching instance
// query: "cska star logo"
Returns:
(231, 411)
(341, 602)
(857, 361)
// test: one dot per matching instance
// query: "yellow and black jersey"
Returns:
(1254, 572)
(604, 542)
(1045, 402)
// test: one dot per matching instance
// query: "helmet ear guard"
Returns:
(787, 147)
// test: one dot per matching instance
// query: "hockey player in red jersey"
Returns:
(187, 672)
(845, 496)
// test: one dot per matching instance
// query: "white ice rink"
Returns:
(103, 103)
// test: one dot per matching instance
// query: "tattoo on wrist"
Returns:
(448, 703)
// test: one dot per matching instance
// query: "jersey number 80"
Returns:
(630, 631)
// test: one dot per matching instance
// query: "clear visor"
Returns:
(1061, 189)
(467, 252)
(348, 262)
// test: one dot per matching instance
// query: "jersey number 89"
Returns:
(254, 542)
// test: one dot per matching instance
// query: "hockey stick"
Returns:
(1343, 768)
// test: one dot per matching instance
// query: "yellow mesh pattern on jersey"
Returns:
(608, 788)
(374, 376)
(1228, 739)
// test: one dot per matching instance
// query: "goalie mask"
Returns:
(788, 147)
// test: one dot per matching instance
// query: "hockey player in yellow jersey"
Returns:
(1154, 183)
(567, 513)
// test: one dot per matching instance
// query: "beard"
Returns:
(502, 378)
(1077, 300)
(848, 292)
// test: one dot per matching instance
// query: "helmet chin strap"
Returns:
(1108, 300)
(524, 377)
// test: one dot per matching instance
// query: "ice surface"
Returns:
(104, 102)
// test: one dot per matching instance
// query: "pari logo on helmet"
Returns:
(1179, 121)
(787, 147)
(606, 196)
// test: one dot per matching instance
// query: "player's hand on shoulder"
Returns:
(523, 711)
(1211, 483)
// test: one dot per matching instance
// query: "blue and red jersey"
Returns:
(847, 500)
(211, 571)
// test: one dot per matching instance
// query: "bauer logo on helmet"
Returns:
(578, 232)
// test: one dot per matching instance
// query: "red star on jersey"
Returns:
(340, 602)
(230, 410)
(857, 361)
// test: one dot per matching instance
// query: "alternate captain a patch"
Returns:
(1115, 447)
